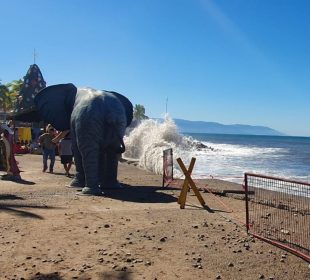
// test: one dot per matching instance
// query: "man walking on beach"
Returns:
(48, 148)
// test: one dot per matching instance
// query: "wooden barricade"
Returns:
(188, 183)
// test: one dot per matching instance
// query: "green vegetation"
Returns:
(139, 112)
(9, 94)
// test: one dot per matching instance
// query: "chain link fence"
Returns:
(278, 211)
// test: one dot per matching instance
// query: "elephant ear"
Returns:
(55, 105)
(127, 105)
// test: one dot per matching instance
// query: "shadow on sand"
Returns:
(141, 194)
(50, 276)
(20, 181)
(115, 275)
(13, 208)
(10, 197)
(150, 194)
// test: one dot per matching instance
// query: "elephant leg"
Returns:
(110, 167)
(79, 179)
(90, 156)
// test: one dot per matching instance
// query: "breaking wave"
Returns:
(147, 141)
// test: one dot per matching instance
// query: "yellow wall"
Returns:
(24, 133)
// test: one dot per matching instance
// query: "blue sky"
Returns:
(240, 61)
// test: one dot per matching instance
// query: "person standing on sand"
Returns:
(48, 148)
(7, 154)
(65, 151)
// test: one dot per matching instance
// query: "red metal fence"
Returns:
(278, 211)
(167, 167)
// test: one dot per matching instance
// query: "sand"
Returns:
(48, 232)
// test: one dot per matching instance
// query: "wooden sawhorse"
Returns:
(188, 183)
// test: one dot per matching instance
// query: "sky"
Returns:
(232, 62)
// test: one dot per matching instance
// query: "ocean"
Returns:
(225, 157)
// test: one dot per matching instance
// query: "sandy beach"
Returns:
(139, 232)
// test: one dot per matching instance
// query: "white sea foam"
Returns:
(150, 138)
(241, 150)
(297, 189)
(230, 162)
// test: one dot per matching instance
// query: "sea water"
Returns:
(225, 157)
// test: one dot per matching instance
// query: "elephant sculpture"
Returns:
(97, 121)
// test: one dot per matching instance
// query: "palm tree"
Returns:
(139, 112)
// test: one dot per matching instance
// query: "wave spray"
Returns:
(147, 141)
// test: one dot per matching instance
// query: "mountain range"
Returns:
(218, 128)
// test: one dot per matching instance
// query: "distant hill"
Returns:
(218, 128)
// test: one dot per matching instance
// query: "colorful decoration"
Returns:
(33, 83)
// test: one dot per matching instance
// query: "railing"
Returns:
(278, 211)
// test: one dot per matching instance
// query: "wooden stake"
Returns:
(185, 187)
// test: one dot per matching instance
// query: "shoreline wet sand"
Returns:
(139, 232)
